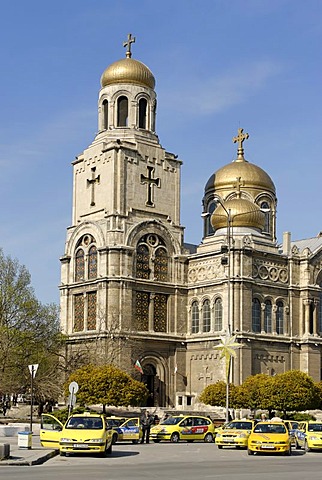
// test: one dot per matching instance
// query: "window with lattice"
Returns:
(142, 311)
(160, 313)
(151, 311)
(91, 311)
(78, 313)
(86, 259)
(152, 260)
(79, 265)
(92, 262)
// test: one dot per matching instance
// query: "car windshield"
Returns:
(172, 421)
(115, 422)
(88, 423)
(240, 425)
(267, 427)
(315, 427)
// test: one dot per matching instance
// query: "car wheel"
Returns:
(306, 447)
(114, 438)
(209, 438)
(250, 452)
(297, 446)
(62, 454)
(175, 437)
(289, 452)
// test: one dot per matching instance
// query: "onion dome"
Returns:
(249, 176)
(128, 70)
(243, 213)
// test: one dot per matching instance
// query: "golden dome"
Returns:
(128, 70)
(243, 213)
(249, 175)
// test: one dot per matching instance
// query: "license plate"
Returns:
(267, 447)
(80, 445)
(228, 440)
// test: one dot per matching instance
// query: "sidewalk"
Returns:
(36, 455)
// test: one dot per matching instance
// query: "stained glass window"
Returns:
(160, 313)
(161, 265)
(268, 317)
(78, 313)
(80, 265)
(92, 262)
(91, 311)
(218, 315)
(280, 318)
(206, 318)
(256, 315)
(142, 311)
(195, 317)
(142, 262)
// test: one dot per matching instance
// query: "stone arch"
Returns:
(155, 376)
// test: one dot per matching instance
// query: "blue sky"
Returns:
(219, 65)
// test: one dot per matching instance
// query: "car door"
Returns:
(200, 427)
(50, 431)
(301, 434)
(130, 429)
(186, 428)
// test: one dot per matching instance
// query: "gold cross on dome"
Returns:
(127, 44)
(241, 137)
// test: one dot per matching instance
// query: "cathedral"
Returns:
(134, 293)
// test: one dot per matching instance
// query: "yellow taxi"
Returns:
(184, 427)
(82, 433)
(308, 436)
(234, 434)
(125, 429)
(269, 437)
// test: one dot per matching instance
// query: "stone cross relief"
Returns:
(205, 375)
(150, 181)
(91, 182)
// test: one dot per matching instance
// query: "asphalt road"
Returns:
(184, 461)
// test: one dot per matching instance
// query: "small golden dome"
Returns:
(128, 70)
(243, 213)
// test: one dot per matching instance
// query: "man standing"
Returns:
(146, 422)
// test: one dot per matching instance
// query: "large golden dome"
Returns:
(128, 70)
(243, 213)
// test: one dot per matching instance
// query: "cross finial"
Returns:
(128, 44)
(241, 137)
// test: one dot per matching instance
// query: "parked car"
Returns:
(234, 434)
(125, 429)
(82, 433)
(308, 436)
(184, 427)
(269, 437)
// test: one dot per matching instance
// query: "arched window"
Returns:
(195, 317)
(280, 318)
(142, 261)
(161, 265)
(105, 114)
(206, 318)
(268, 317)
(92, 262)
(122, 111)
(256, 315)
(79, 265)
(218, 315)
(209, 228)
(142, 112)
(266, 210)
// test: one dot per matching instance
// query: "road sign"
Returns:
(33, 369)
(73, 387)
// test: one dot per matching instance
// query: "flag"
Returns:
(175, 369)
(138, 366)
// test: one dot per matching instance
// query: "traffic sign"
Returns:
(73, 387)
(33, 369)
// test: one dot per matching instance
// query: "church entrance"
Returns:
(149, 379)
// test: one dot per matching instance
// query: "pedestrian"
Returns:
(146, 421)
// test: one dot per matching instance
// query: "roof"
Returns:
(313, 244)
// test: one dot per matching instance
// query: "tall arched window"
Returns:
(266, 209)
(79, 265)
(195, 317)
(256, 315)
(122, 111)
(161, 265)
(268, 317)
(210, 210)
(206, 318)
(142, 112)
(280, 318)
(92, 262)
(105, 114)
(142, 261)
(218, 315)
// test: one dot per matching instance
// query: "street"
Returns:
(183, 461)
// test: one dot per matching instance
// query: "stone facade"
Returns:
(131, 289)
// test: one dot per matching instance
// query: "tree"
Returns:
(257, 392)
(29, 334)
(295, 391)
(108, 385)
(215, 395)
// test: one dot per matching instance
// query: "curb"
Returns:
(36, 461)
